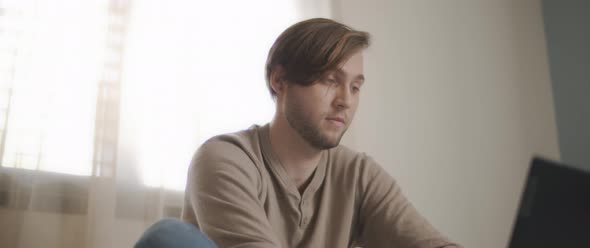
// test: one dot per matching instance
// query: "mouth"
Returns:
(338, 121)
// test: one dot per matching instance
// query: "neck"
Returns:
(297, 156)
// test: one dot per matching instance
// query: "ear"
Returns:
(277, 82)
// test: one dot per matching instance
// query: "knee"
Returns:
(172, 225)
(171, 233)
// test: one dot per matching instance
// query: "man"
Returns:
(289, 183)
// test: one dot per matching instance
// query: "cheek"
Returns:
(308, 106)
(313, 102)
(319, 98)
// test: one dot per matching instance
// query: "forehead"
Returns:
(352, 67)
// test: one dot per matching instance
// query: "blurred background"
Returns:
(103, 102)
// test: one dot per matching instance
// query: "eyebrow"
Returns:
(359, 77)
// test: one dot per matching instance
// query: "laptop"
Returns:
(554, 208)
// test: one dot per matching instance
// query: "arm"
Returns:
(222, 190)
(388, 219)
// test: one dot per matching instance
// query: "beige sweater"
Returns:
(239, 195)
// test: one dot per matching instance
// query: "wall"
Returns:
(457, 101)
(568, 45)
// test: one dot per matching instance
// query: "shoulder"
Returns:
(237, 145)
(350, 163)
(343, 156)
(232, 153)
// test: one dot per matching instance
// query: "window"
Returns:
(51, 61)
(193, 71)
(105, 88)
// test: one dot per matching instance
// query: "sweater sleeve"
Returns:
(388, 219)
(222, 197)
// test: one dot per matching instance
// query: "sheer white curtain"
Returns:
(103, 103)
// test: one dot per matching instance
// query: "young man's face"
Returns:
(322, 112)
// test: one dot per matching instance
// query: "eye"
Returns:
(330, 81)
(356, 89)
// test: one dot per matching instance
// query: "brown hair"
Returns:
(308, 49)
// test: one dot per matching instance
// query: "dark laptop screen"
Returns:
(554, 208)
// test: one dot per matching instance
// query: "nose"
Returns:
(344, 97)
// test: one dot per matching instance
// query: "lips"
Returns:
(336, 119)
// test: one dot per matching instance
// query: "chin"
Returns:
(332, 141)
(326, 146)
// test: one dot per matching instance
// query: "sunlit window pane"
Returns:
(57, 56)
(195, 70)
(85, 85)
